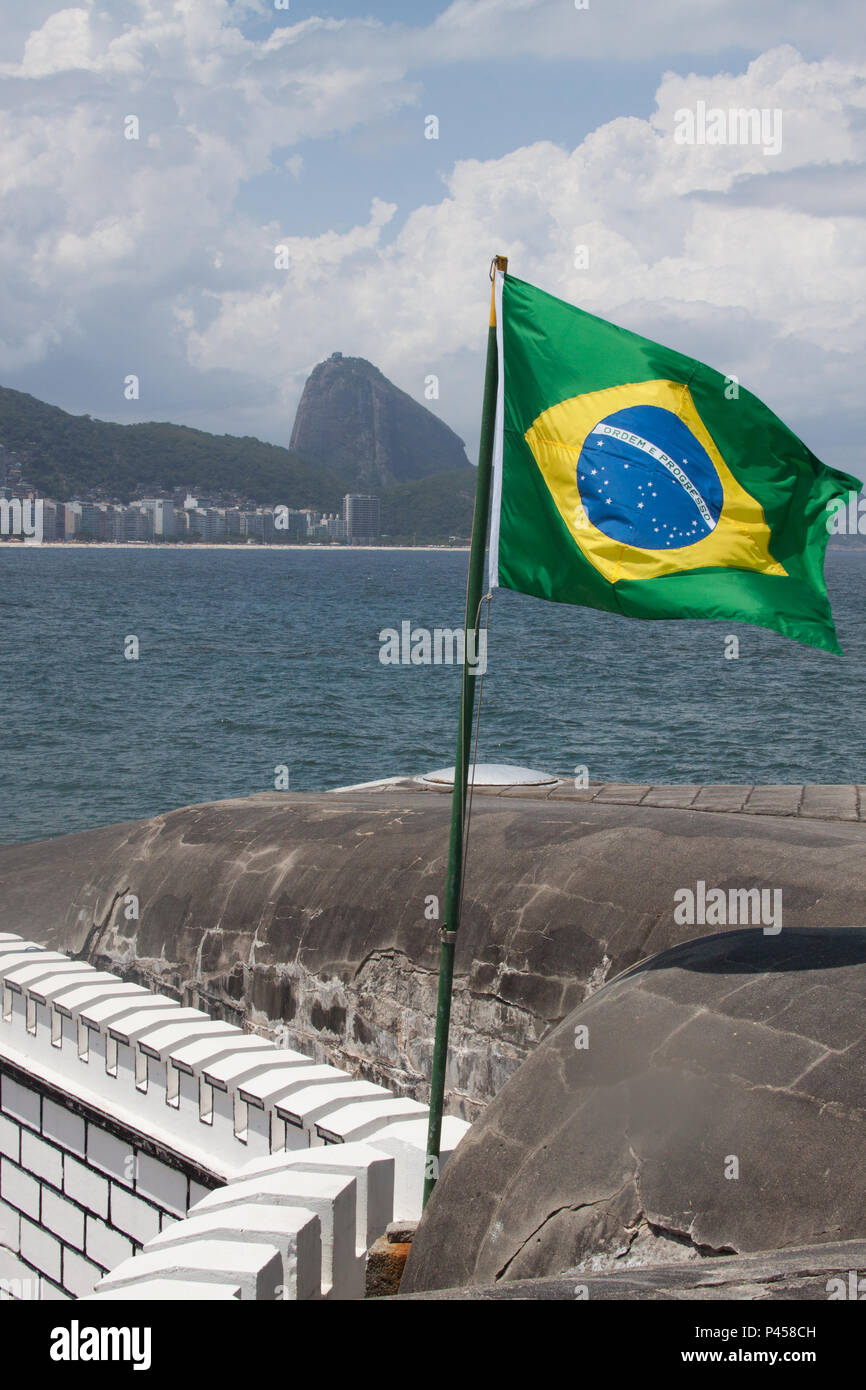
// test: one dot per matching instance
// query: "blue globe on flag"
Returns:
(644, 479)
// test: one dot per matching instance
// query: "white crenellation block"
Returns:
(303, 1108)
(111, 1006)
(211, 1098)
(167, 1291)
(295, 1231)
(256, 1269)
(348, 1122)
(332, 1196)
(277, 1085)
(372, 1170)
(20, 971)
(143, 1024)
(54, 987)
(406, 1141)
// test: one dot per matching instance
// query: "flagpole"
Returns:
(454, 881)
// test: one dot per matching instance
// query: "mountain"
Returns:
(66, 455)
(353, 419)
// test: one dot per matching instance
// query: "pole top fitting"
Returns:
(498, 263)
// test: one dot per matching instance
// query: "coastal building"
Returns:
(328, 528)
(258, 526)
(89, 523)
(114, 523)
(71, 519)
(137, 523)
(361, 513)
(164, 519)
(161, 511)
(290, 524)
(49, 520)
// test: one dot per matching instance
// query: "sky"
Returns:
(306, 127)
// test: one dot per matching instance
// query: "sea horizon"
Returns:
(244, 667)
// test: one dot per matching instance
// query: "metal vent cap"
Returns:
(491, 775)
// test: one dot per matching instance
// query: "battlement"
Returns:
(121, 1112)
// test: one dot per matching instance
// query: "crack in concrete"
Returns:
(568, 1206)
(98, 928)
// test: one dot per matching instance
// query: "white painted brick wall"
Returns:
(163, 1185)
(17, 1279)
(41, 1159)
(64, 1128)
(80, 1277)
(19, 1188)
(135, 1218)
(10, 1138)
(17, 1101)
(88, 1189)
(62, 1218)
(41, 1249)
(110, 1155)
(10, 1227)
(105, 1246)
(120, 1109)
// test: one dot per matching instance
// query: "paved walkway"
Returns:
(811, 801)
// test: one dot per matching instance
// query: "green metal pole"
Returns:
(451, 917)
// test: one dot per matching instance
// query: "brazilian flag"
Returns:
(631, 478)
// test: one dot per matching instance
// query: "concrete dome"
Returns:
(713, 1105)
(312, 913)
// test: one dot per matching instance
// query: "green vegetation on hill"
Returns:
(432, 508)
(72, 455)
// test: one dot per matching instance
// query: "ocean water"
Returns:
(254, 659)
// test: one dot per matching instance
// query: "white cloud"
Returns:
(63, 42)
(751, 288)
(624, 29)
(121, 255)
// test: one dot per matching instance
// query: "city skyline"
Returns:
(159, 518)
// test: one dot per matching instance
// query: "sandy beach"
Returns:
(203, 545)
